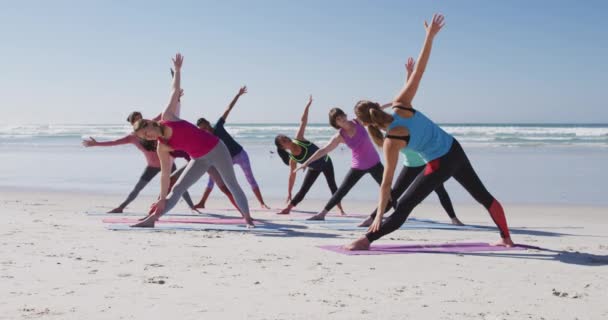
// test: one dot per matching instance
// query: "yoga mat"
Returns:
(192, 227)
(464, 247)
(177, 220)
(329, 220)
(405, 226)
(141, 214)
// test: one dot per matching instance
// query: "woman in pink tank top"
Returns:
(206, 152)
(148, 148)
(365, 158)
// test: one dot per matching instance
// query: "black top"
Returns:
(219, 130)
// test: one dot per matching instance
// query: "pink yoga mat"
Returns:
(177, 220)
(464, 247)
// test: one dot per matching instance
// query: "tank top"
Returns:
(187, 137)
(364, 154)
(308, 149)
(426, 137)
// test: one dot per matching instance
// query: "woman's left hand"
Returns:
(376, 224)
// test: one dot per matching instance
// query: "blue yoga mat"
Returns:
(329, 220)
(140, 214)
(193, 227)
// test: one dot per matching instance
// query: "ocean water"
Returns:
(544, 164)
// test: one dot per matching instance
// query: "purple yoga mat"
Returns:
(463, 247)
(177, 220)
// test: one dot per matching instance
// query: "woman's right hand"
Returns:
(302, 167)
(436, 25)
(242, 90)
(409, 66)
(89, 143)
(178, 61)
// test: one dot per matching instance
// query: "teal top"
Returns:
(426, 138)
(412, 159)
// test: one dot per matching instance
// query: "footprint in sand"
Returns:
(157, 280)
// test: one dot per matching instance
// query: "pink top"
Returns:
(187, 137)
(365, 155)
(151, 156)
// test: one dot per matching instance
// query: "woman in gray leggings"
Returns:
(148, 148)
(205, 149)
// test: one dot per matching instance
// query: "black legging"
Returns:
(453, 164)
(352, 177)
(405, 179)
(309, 180)
(148, 174)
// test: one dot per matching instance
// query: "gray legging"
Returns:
(146, 177)
(219, 159)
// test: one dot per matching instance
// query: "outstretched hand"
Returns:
(309, 100)
(436, 25)
(89, 143)
(409, 66)
(178, 61)
(242, 90)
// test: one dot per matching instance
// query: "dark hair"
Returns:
(280, 151)
(149, 145)
(202, 120)
(333, 114)
(372, 115)
(132, 116)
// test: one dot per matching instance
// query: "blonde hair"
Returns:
(370, 114)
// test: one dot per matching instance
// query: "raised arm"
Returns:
(94, 143)
(407, 93)
(329, 147)
(304, 120)
(241, 92)
(171, 112)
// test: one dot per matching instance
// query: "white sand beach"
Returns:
(59, 263)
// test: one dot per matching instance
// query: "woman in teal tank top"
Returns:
(445, 158)
(300, 150)
(413, 164)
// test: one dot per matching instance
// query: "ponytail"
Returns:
(373, 117)
(376, 135)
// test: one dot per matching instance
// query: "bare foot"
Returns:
(505, 242)
(116, 210)
(195, 209)
(199, 206)
(148, 222)
(367, 222)
(342, 213)
(319, 216)
(457, 222)
(285, 211)
(264, 206)
(359, 244)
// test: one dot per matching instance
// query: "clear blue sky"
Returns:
(495, 61)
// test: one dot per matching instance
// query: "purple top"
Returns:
(365, 155)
